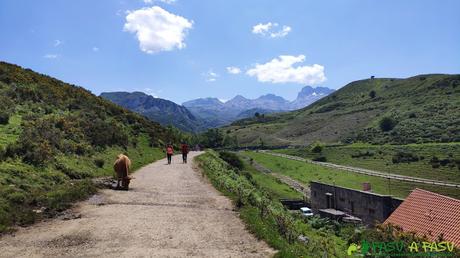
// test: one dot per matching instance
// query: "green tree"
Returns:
(227, 142)
(387, 124)
(4, 118)
(235, 141)
(372, 94)
(317, 147)
(261, 142)
(213, 138)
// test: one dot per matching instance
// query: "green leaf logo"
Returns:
(351, 249)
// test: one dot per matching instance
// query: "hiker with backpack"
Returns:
(169, 153)
(185, 150)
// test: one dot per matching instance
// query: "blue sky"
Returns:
(181, 50)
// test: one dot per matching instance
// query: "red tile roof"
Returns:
(429, 214)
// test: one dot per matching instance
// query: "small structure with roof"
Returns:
(429, 214)
(351, 205)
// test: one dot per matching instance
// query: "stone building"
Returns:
(344, 203)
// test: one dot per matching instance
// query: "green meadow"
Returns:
(437, 161)
(306, 172)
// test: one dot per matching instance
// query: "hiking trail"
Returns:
(169, 211)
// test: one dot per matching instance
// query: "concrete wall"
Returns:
(369, 207)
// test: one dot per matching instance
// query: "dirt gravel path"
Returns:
(170, 211)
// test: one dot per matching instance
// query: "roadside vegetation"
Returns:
(256, 195)
(306, 172)
(264, 214)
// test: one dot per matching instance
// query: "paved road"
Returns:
(170, 211)
(368, 171)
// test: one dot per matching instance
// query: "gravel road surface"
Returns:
(170, 211)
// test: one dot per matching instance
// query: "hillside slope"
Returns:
(162, 111)
(424, 108)
(253, 112)
(55, 136)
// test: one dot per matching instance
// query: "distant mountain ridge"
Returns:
(309, 95)
(219, 113)
(200, 114)
(162, 111)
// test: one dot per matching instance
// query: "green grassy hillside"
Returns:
(55, 136)
(419, 109)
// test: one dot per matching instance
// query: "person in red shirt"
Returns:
(169, 153)
(184, 149)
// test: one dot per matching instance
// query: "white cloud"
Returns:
(281, 33)
(271, 30)
(51, 56)
(163, 1)
(157, 30)
(222, 100)
(95, 49)
(261, 28)
(57, 42)
(210, 76)
(233, 70)
(282, 70)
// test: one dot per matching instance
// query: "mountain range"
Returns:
(162, 111)
(309, 95)
(199, 114)
(219, 113)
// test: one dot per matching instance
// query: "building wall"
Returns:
(369, 207)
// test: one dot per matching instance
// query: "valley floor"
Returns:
(169, 211)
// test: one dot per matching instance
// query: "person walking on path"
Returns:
(169, 153)
(185, 150)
